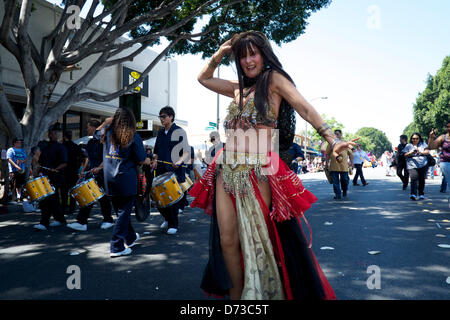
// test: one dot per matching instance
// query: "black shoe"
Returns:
(337, 198)
(413, 197)
(404, 187)
(344, 194)
(365, 184)
(356, 184)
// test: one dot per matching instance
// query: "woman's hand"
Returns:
(225, 47)
(432, 134)
(342, 146)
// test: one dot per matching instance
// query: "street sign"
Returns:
(213, 124)
(210, 128)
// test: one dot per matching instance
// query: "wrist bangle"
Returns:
(335, 142)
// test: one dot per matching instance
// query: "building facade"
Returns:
(157, 91)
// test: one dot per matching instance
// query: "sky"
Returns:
(369, 58)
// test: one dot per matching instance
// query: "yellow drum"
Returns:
(39, 188)
(187, 184)
(86, 192)
(165, 190)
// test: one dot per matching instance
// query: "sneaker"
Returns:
(164, 225)
(413, 197)
(421, 197)
(55, 224)
(134, 242)
(40, 227)
(106, 225)
(125, 252)
(77, 226)
(172, 231)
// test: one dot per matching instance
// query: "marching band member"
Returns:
(123, 150)
(53, 160)
(94, 164)
(171, 146)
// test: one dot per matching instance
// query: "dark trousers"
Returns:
(418, 180)
(66, 199)
(403, 174)
(170, 214)
(123, 231)
(359, 173)
(340, 180)
(51, 207)
(105, 205)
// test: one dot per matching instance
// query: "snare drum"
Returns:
(86, 192)
(187, 184)
(39, 189)
(165, 190)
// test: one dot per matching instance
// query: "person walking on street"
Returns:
(123, 151)
(443, 141)
(94, 164)
(402, 171)
(358, 160)
(338, 168)
(52, 161)
(214, 138)
(169, 137)
(416, 160)
(75, 156)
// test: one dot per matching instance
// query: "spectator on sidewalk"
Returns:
(443, 141)
(17, 158)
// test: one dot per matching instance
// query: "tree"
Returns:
(432, 107)
(410, 129)
(333, 123)
(145, 23)
(373, 140)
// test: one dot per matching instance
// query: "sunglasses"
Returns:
(163, 116)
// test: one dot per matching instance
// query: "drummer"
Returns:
(171, 146)
(53, 160)
(94, 165)
(123, 150)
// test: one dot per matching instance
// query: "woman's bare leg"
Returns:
(229, 238)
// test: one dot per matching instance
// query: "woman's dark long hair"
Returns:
(123, 127)
(286, 115)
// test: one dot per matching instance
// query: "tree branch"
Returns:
(109, 97)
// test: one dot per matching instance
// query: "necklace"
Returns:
(252, 88)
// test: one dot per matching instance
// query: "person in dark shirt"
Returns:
(402, 172)
(94, 165)
(123, 151)
(75, 156)
(170, 139)
(297, 155)
(53, 160)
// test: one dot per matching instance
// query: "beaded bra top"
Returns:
(248, 117)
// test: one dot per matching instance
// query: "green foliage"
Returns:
(333, 123)
(280, 20)
(432, 107)
(373, 140)
(410, 129)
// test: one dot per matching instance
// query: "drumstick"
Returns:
(182, 165)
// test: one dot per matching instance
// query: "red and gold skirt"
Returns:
(277, 260)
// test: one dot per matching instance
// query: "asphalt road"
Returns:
(379, 217)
